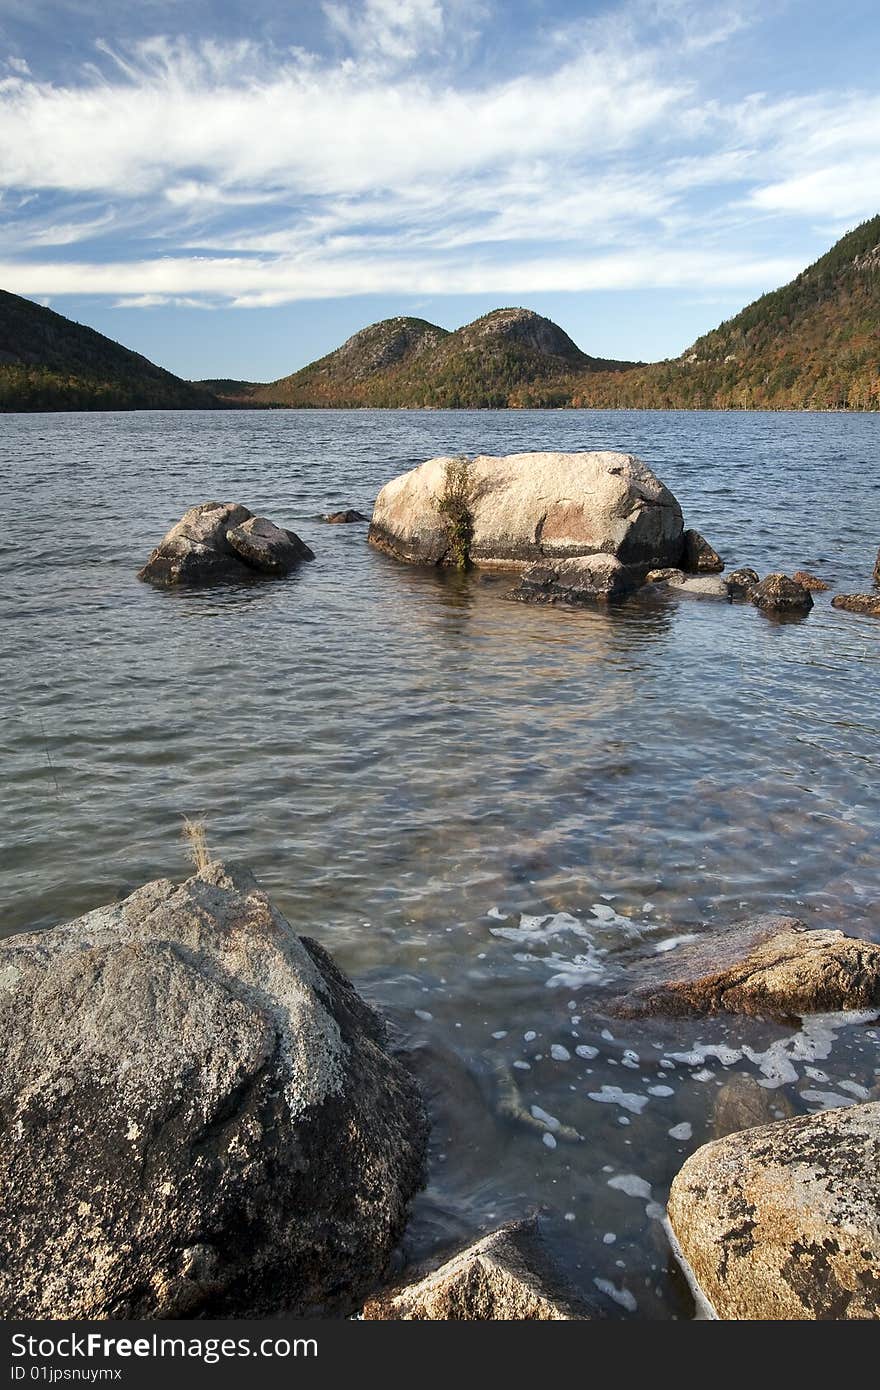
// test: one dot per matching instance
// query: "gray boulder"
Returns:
(506, 1276)
(585, 579)
(698, 556)
(868, 605)
(780, 594)
(782, 1222)
(699, 585)
(772, 967)
(220, 543)
(198, 1115)
(527, 509)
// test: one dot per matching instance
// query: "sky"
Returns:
(233, 187)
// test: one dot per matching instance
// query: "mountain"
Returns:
(48, 362)
(410, 362)
(814, 344)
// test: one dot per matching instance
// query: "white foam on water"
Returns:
(683, 1131)
(530, 1035)
(498, 915)
(560, 1053)
(704, 1075)
(672, 941)
(704, 1312)
(632, 1185)
(549, 1140)
(533, 930)
(660, 1091)
(609, 1238)
(502, 1033)
(860, 1092)
(621, 1296)
(654, 1211)
(586, 967)
(424, 1015)
(522, 1066)
(614, 1095)
(826, 1100)
(549, 1120)
(586, 1051)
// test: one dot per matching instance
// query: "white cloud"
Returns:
(273, 176)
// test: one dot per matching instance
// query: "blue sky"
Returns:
(233, 188)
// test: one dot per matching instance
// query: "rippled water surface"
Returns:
(417, 769)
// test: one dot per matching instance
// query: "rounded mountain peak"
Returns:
(530, 329)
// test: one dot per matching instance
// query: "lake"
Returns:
(417, 769)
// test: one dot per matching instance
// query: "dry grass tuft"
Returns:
(197, 844)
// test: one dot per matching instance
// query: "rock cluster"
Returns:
(223, 542)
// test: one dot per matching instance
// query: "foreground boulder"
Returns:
(585, 579)
(524, 509)
(772, 967)
(199, 1115)
(222, 542)
(698, 556)
(780, 594)
(506, 1276)
(783, 1222)
(866, 604)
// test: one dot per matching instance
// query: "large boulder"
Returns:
(220, 543)
(783, 1222)
(506, 1276)
(772, 967)
(866, 604)
(530, 508)
(198, 1115)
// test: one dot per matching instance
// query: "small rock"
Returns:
(584, 579)
(267, 547)
(772, 967)
(698, 556)
(810, 582)
(344, 518)
(866, 604)
(663, 575)
(782, 1222)
(740, 583)
(506, 1276)
(742, 1103)
(877, 569)
(780, 594)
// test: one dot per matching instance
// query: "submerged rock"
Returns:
(698, 556)
(742, 1103)
(876, 575)
(699, 585)
(527, 509)
(780, 594)
(585, 579)
(810, 582)
(200, 1115)
(783, 1221)
(506, 1276)
(741, 582)
(222, 542)
(344, 518)
(772, 967)
(866, 604)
